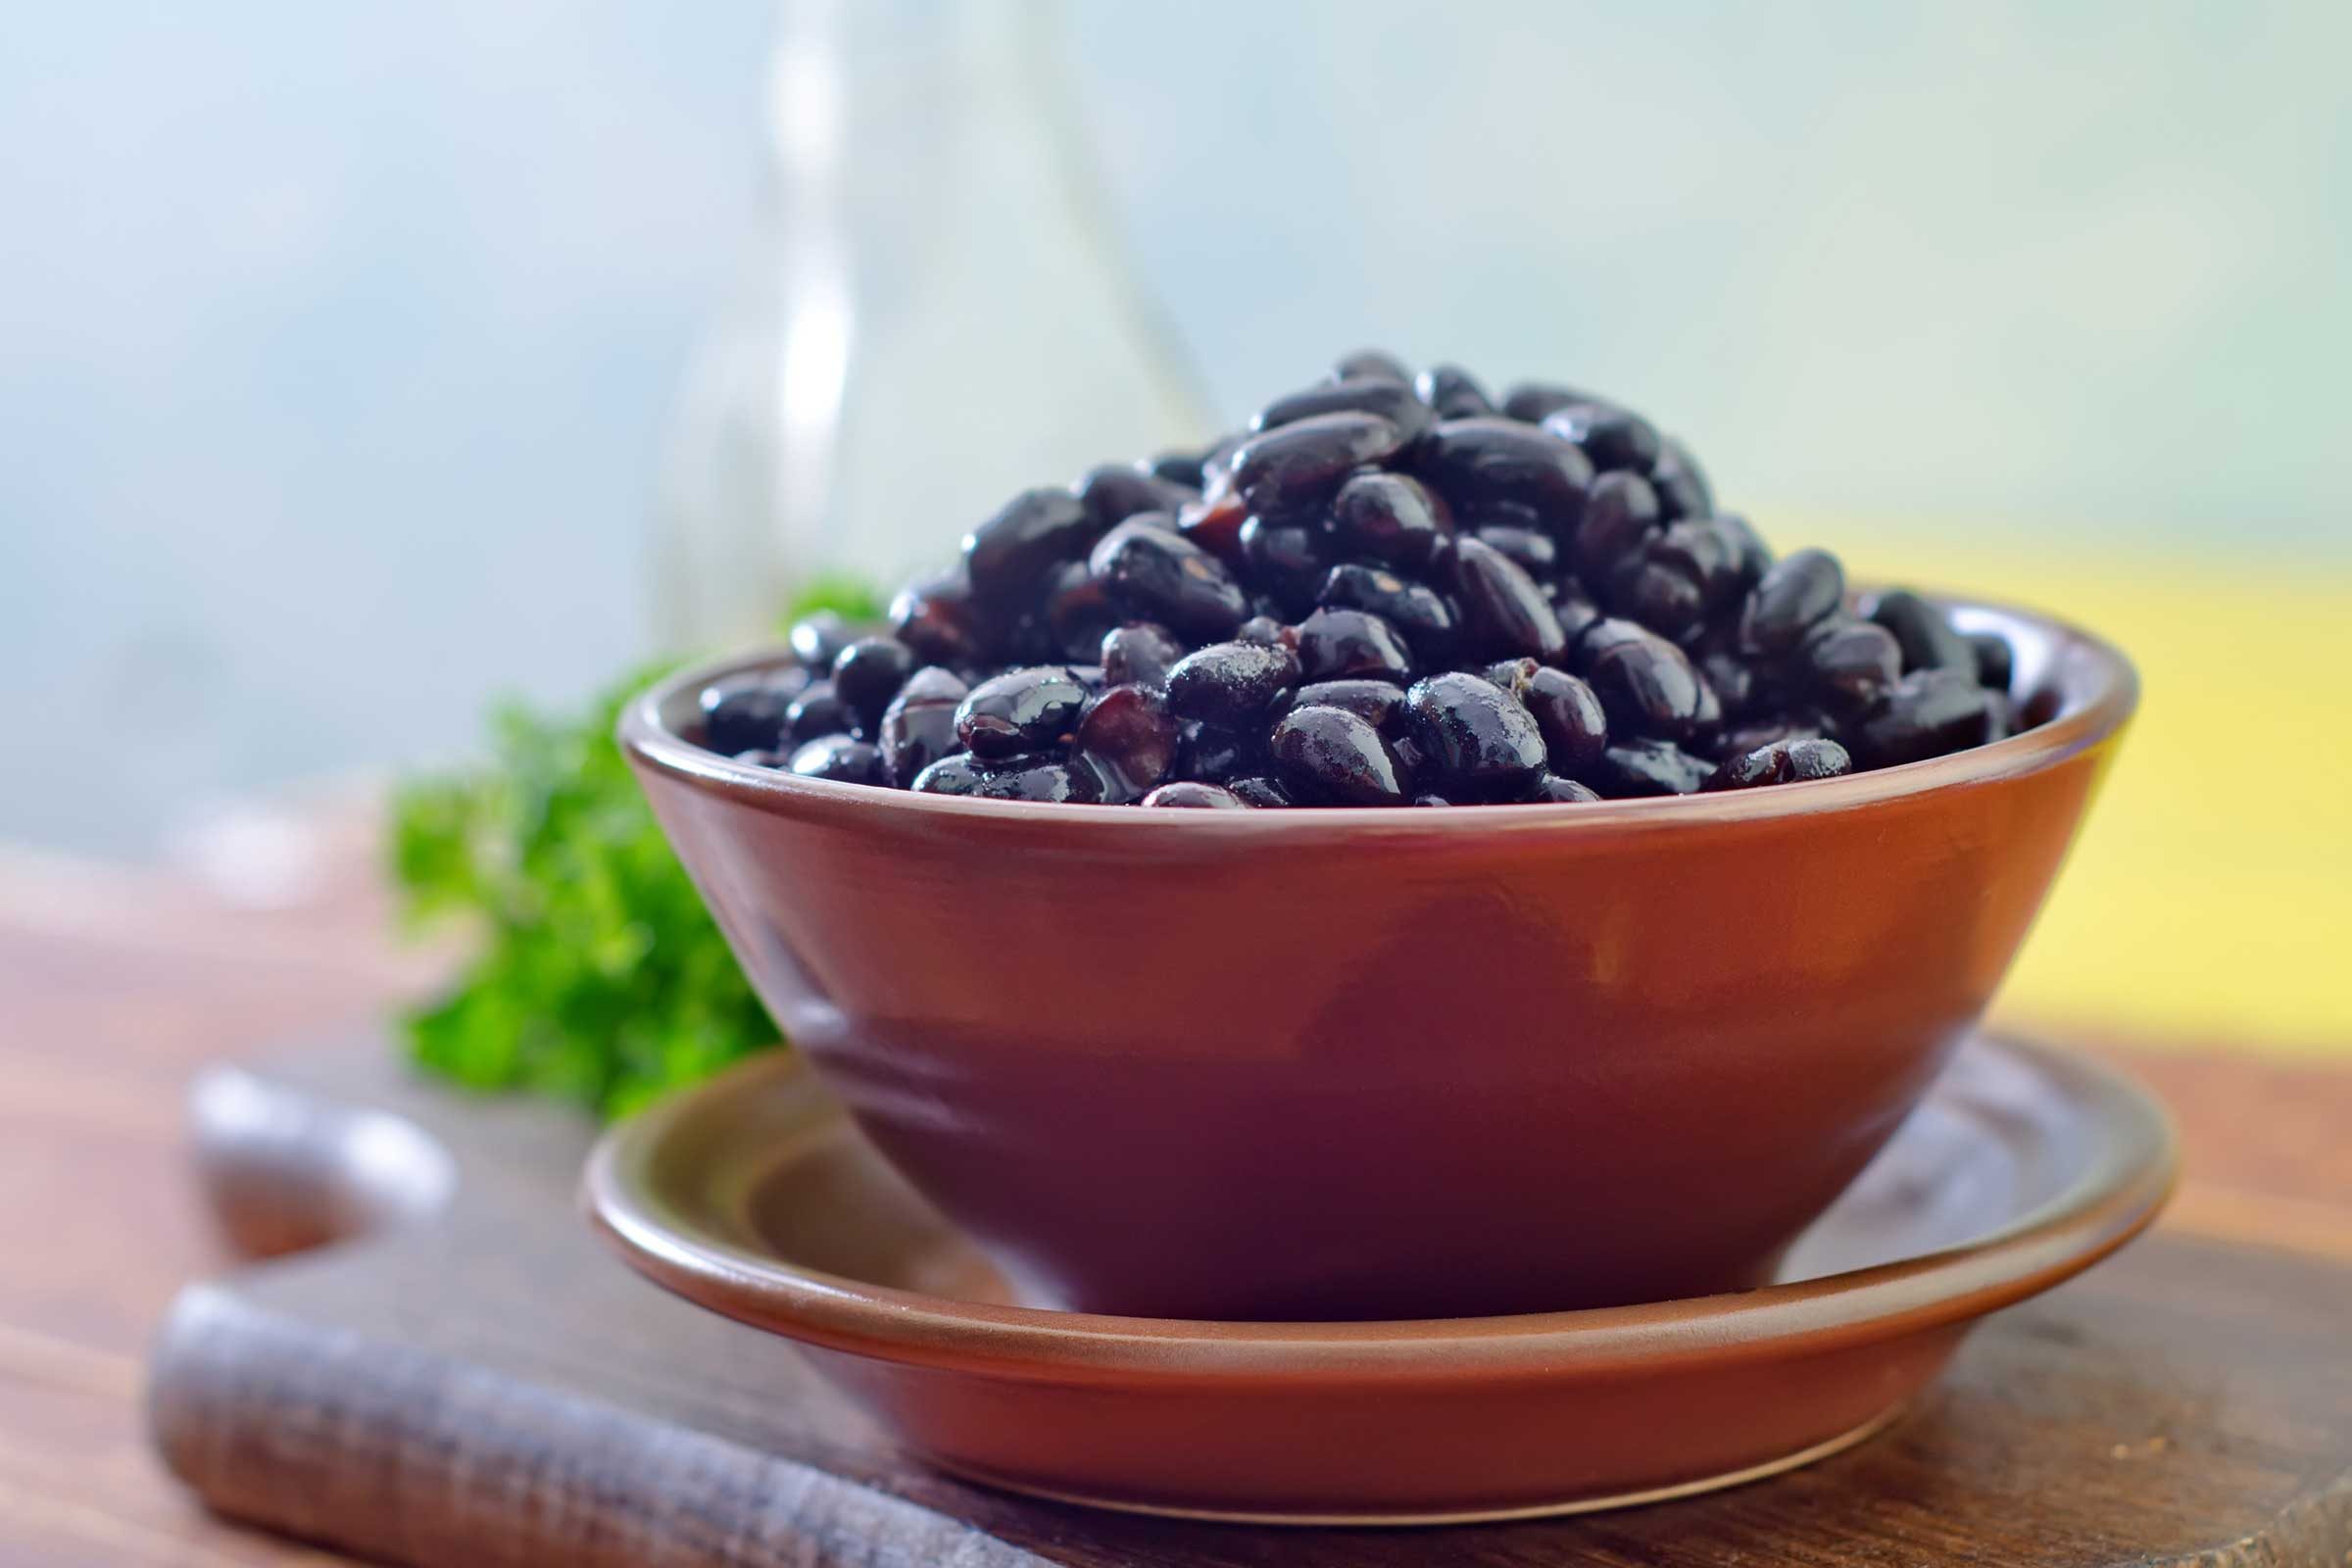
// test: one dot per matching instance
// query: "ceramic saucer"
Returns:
(753, 1195)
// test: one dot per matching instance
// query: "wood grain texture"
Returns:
(477, 1383)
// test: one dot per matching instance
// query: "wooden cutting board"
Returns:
(466, 1378)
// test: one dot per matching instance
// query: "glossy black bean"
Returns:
(748, 712)
(1139, 653)
(1638, 768)
(842, 758)
(1788, 762)
(1661, 594)
(1480, 742)
(1712, 552)
(1020, 710)
(1453, 392)
(1419, 613)
(958, 773)
(817, 640)
(1077, 613)
(1798, 591)
(1049, 782)
(1615, 439)
(1755, 554)
(1349, 644)
(1379, 703)
(1503, 612)
(939, 619)
(1007, 556)
(1927, 713)
(1371, 362)
(1233, 684)
(1151, 574)
(1283, 560)
(1263, 630)
(1621, 517)
(1996, 661)
(1849, 660)
(1649, 687)
(867, 674)
(1192, 795)
(1388, 518)
(1530, 401)
(819, 710)
(1554, 790)
(1298, 466)
(1575, 607)
(1330, 757)
(1129, 736)
(1217, 755)
(1178, 467)
(1568, 712)
(1261, 791)
(1113, 492)
(918, 728)
(1923, 632)
(1532, 548)
(1756, 733)
(1473, 462)
(1732, 677)
(1682, 485)
(1217, 463)
(1392, 400)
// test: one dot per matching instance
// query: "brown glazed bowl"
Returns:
(1326, 1065)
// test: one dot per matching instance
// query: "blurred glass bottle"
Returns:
(938, 314)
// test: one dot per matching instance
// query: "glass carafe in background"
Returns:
(938, 314)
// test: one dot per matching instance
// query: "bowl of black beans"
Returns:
(1732, 851)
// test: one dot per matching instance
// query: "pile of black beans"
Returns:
(1389, 590)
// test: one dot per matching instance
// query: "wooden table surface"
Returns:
(119, 984)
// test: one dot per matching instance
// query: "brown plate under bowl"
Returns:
(1388, 1064)
(756, 1197)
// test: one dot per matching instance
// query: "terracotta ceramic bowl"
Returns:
(1323, 1064)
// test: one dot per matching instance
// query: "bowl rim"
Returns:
(2111, 695)
(2132, 1172)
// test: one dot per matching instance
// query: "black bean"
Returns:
(1734, 678)
(1661, 594)
(1077, 613)
(1390, 517)
(1649, 687)
(1020, 710)
(937, 618)
(1379, 703)
(1635, 767)
(1614, 438)
(1682, 485)
(1530, 401)
(1007, 555)
(1217, 755)
(1781, 762)
(1190, 793)
(1453, 392)
(1757, 733)
(1330, 757)
(1996, 661)
(1261, 791)
(1713, 552)
(1115, 492)
(1477, 462)
(918, 728)
(746, 713)
(1431, 800)
(958, 773)
(1419, 613)
(1139, 653)
(1568, 712)
(1233, 684)
(1621, 517)
(1800, 590)
(1553, 788)
(1371, 362)
(1532, 548)
(840, 758)
(1284, 560)
(819, 710)
(1923, 632)
(1479, 740)
(1129, 736)
(1151, 574)
(1178, 467)
(1341, 644)
(819, 639)
(1391, 399)
(1575, 607)
(1298, 466)
(1505, 614)
(1850, 661)
(1925, 713)
(1214, 525)
(867, 674)
(1030, 779)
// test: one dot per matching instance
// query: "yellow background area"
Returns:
(2209, 897)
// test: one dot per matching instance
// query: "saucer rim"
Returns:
(2122, 1188)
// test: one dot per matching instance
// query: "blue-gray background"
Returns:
(336, 341)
